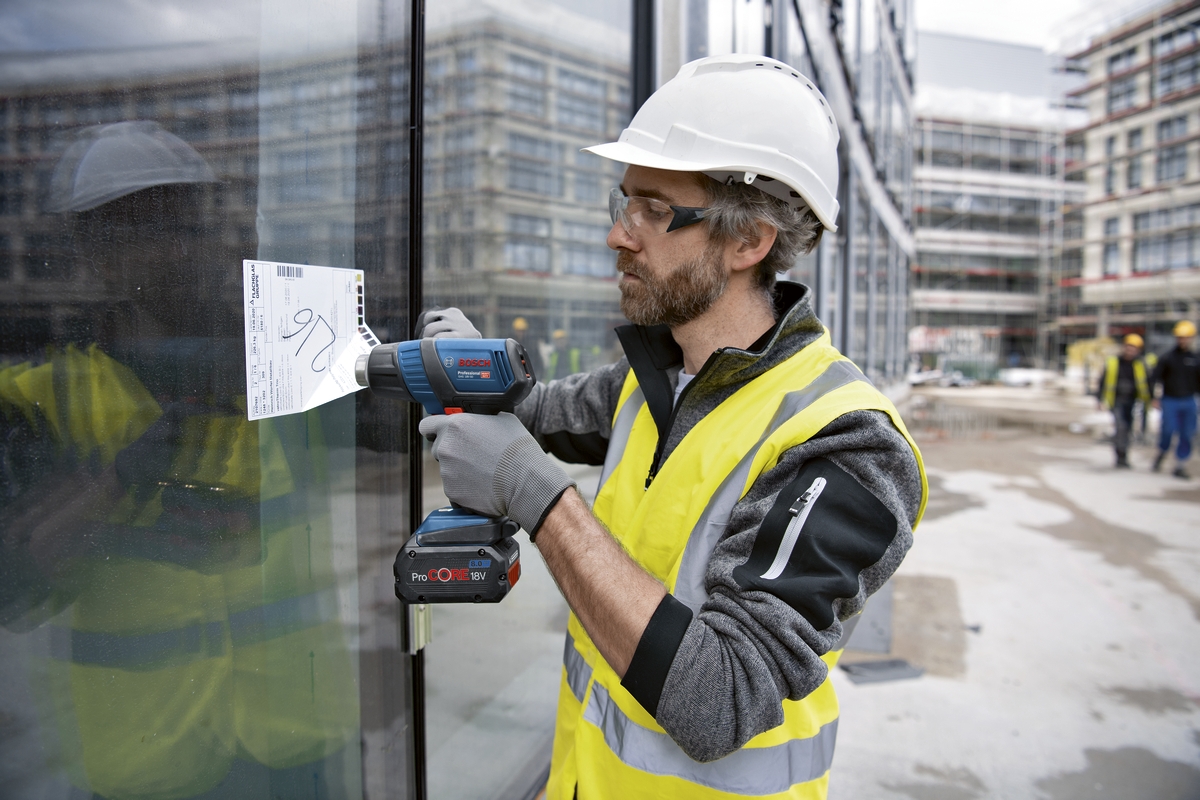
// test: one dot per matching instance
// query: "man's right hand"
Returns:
(445, 323)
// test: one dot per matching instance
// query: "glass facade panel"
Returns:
(532, 264)
(192, 604)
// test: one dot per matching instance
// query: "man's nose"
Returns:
(619, 238)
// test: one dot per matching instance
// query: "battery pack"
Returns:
(457, 556)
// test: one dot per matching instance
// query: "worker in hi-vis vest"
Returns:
(756, 488)
(1124, 383)
(177, 557)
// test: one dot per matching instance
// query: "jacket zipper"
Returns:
(662, 441)
(799, 511)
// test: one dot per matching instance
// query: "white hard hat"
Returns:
(743, 119)
(111, 161)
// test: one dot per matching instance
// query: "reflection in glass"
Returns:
(180, 588)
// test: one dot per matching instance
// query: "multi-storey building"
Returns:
(515, 214)
(989, 193)
(1141, 220)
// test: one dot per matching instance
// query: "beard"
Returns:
(679, 297)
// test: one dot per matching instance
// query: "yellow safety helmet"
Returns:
(1134, 340)
(1185, 328)
(560, 334)
(519, 324)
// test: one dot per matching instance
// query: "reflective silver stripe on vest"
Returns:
(137, 651)
(282, 617)
(619, 437)
(748, 771)
(200, 640)
(689, 584)
(578, 671)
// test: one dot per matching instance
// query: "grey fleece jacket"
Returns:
(716, 679)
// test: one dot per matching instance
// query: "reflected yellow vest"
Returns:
(605, 743)
(160, 674)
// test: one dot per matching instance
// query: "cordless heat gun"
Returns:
(456, 555)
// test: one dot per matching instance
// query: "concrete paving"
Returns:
(1054, 604)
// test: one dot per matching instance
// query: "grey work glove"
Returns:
(445, 323)
(492, 465)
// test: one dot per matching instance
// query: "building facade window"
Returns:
(1122, 94)
(588, 187)
(527, 100)
(1110, 179)
(1171, 164)
(1166, 239)
(1173, 128)
(580, 112)
(1122, 61)
(1178, 74)
(1133, 173)
(459, 173)
(527, 69)
(1178, 39)
(1112, 253)
(578, 83)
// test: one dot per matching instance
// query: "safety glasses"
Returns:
(645, 216)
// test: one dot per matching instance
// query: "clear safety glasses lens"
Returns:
(645, 216)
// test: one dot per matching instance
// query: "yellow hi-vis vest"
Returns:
(606, 744)
(1110, 381)
(160, 675)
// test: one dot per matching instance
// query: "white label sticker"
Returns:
(304, 330)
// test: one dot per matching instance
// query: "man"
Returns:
(1179, 373)
(756, 488)
(1123, 384)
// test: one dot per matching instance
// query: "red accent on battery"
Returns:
(453, 410)
(514, 574)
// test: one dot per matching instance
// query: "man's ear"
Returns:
(744, 255)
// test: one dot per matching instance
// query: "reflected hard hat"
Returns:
(1134, 340)
(519, 324)
(110, 161)
(740, 118)
(1185, 328)
(560, 334)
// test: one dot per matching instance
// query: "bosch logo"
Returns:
(448, 361)
(474, 362)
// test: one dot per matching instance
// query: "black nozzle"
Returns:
(380, 371)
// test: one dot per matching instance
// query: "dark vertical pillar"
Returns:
(844, 335)
(416, 204)
(643, 52)
(769, 48)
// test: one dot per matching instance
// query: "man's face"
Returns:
(1130, 351)
(1185, 342)
(669, 278)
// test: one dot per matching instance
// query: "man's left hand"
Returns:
(492, 465)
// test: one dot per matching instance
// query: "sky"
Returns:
(1049, 24)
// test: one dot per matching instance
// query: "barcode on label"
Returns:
(285, 271)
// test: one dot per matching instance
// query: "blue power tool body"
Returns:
(456, 555)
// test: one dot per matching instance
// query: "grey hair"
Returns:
(737, 208)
